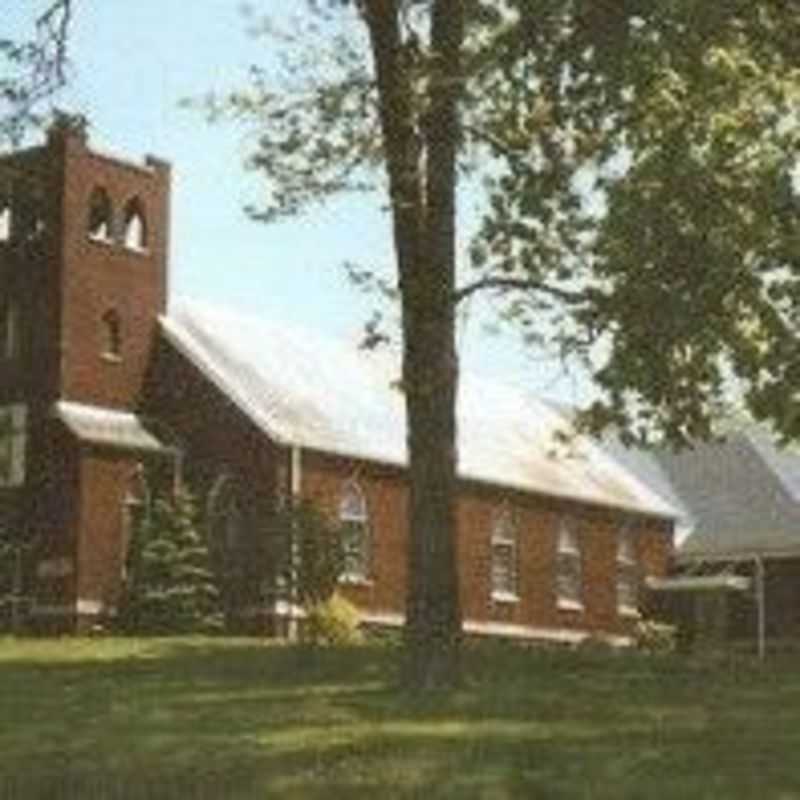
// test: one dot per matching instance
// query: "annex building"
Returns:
(108, 394)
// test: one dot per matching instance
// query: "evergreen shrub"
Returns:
(170, 587)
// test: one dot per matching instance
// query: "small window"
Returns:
(112, 336)
(135, 234)
(13, 441)
(5, 219)
(504, 556)
(569, 568)
(9, 331)
(354, 520)
(100, 216)
(627, 571)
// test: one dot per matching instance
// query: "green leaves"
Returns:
(315, 556)
(33, 70)
(639, 165)
(661, 141)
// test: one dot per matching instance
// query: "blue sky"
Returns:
(132, 63)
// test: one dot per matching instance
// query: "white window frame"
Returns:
(6, 221)
(13, 443)
(504, 547)
(354, 520)
(627, 569)
(569, 566)
(134, 233)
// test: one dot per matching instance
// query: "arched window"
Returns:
(9, 330)
(135, 232)
(569, 569)
(135, 513)
(354, 519)
(100, 220)
(5, 219)
(504, 576)
(225, 525)
(627, 570)
(112, 335)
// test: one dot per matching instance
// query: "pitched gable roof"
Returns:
(738, 497)
(783, 461)
(315, 393)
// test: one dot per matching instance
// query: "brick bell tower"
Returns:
(83, 278)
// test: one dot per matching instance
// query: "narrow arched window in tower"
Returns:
(100, 220)
(5, 218)
(135, 234)
(354, 518)
(112, 336)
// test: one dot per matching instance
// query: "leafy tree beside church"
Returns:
(639, 218)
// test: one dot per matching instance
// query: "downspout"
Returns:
(295, 495)
(761, 617)
(295, 472)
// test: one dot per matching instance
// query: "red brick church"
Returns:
(105, 390)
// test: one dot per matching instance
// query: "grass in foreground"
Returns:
(205, 718)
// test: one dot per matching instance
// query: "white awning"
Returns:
(107, 427)
(700, 583)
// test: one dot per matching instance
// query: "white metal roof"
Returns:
(308, 391)
(106, 426)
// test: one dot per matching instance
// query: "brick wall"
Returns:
(105, 478)
(53, 523)
(101, 276)
(537, 519)
(65, 282)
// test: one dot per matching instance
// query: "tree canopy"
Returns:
(639, 162)
(638, 168)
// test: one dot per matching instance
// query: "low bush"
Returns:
(334, 622)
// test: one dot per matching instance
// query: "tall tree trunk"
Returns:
(421, 163)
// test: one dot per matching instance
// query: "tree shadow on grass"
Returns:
(214, 718)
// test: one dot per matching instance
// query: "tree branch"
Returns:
(520, 284)
(500, 147)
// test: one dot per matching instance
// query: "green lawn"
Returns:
(202, 718)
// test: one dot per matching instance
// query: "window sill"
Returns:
(629, 612)
(504, 597)
(355, 580)
(111, 358)
(105, 241)
(563, 604)
(136, 251)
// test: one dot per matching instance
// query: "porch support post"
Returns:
(295, 490)
(761, 617)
